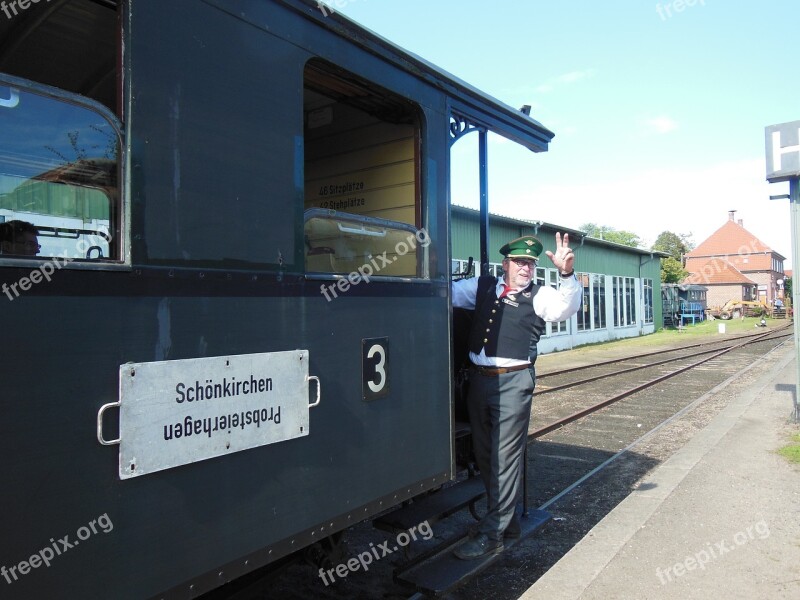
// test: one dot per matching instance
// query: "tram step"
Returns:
(434, 507)
(440, 572)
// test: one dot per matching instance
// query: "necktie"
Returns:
(505, 291)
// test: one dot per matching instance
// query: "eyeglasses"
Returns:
(523, 262)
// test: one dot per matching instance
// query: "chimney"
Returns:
(731, 215)
(741, 222)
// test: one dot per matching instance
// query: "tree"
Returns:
(676, 245)
(787, 290)
(609, 234)
(672, 271)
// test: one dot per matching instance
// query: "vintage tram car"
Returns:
(242, 212)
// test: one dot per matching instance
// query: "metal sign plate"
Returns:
(783, 151)
(178, 412)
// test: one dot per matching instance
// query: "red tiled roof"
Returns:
(731, 239)
(715, 271)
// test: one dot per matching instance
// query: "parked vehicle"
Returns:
(735, 309)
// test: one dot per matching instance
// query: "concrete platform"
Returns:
(719, 519)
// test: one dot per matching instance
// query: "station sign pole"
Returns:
(782, 143)
(794, 203)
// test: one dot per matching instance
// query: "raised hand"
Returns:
(564, 258)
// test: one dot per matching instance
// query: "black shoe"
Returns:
(478, 546)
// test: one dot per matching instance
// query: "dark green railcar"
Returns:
(243, 203)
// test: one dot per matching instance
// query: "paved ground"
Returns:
(720, 518)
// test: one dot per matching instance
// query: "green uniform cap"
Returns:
(525, 247)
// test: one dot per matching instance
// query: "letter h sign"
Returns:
(783, 151)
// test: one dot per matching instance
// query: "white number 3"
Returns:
(379, 368)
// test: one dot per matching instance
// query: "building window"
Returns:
(648, 300)
(540, 277)
(584, 314)
(592, 313)
(459, 266)
(624, 294)
(560, 327)
(598, 301)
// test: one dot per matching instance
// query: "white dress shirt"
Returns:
(549, 303)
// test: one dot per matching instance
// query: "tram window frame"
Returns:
(363, 187)
(97, 245)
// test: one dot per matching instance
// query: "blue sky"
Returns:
(659, 113)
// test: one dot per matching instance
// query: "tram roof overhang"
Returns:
(44, 30)
(466, 101)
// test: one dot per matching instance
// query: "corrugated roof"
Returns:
(560, 228)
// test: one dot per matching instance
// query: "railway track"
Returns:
(583, 466)
(596, 430)
(686, 358)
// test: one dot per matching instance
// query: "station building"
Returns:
(735, 265)
(621, 284)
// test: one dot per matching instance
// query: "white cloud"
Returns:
(685, 200)
(564, 79)
(661, 124)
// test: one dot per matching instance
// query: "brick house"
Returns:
(735, 265)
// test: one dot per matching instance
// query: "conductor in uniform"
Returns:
(509, 312)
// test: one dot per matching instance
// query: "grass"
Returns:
(792, 451)
(703, 331)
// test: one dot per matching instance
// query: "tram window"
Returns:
(58, 172)
(362, 183)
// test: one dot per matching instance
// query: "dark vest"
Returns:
(506, 328)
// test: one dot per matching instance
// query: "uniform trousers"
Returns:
(499, 412)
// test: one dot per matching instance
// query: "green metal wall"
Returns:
(591, 256)
(466, 234)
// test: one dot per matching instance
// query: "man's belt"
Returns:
(495, 371)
